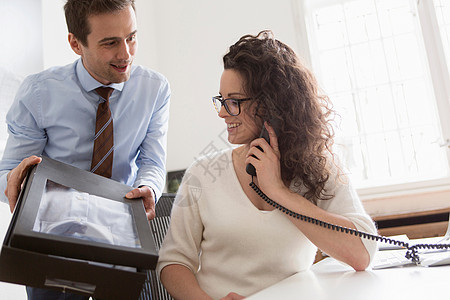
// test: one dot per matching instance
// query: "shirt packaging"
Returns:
(73, 230)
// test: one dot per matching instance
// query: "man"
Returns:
(54, 113)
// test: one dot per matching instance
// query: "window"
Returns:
(375, 61)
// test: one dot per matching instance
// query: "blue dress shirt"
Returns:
(54, 114)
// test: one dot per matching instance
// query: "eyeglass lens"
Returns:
(231, 105)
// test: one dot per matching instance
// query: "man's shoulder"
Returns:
(58, 73)
(51, 79)
(145, 73)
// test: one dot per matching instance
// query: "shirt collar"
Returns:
(88, 82)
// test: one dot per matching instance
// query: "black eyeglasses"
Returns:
(232, 106)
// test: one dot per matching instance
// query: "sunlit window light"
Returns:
(372, 65)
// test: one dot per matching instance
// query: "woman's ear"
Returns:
(262, 114)
(75, 44)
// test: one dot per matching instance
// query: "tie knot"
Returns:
(104, 92)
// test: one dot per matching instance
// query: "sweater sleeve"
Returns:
(181, 244)
(346, 203)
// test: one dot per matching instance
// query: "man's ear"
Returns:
(75, 44)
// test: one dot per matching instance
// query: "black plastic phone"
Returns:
(264, 134)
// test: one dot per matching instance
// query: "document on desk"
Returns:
(386, 246)
(389, 259)
(435, 259)
(393, 257)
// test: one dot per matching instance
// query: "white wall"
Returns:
(21, 34)
(57, 51)
(191, 37)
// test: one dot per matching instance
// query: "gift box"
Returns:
(75, 231)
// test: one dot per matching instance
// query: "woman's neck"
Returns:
(240, 153)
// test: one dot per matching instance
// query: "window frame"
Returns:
(438, 70)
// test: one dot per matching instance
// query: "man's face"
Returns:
(111, 46)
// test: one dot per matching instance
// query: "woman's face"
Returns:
(242, 129)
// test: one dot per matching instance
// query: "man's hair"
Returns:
(78, 11)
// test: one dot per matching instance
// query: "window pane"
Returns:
(374, 70)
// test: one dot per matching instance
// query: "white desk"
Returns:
(329, 279)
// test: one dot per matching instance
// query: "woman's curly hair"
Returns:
(286, 94)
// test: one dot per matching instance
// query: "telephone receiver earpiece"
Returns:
(250, 169)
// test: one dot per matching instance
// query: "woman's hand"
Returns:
(267, 162)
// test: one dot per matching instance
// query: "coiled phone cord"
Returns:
(412, 250)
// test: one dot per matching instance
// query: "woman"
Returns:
(225, 241)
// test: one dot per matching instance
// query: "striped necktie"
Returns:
(102, 157)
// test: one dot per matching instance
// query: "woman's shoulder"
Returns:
(338, 172)
(207, 170)
(338, 176)
(211, 160)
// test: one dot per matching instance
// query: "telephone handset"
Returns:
(412, 252)
(264, 134)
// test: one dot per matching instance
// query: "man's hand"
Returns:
(16, 177)
(148, 197)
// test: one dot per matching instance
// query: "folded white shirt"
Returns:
(67, 212)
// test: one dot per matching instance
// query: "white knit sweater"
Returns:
(229, 244)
